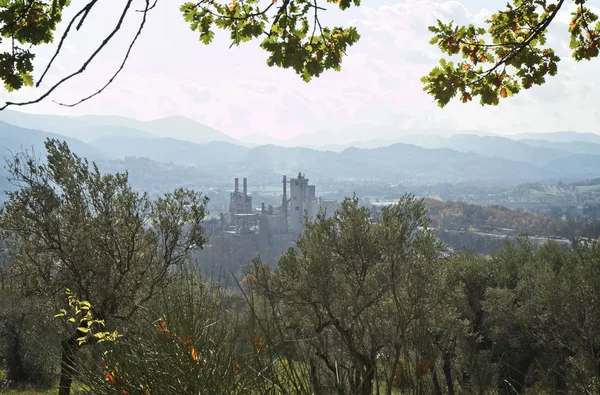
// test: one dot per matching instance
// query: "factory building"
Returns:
(283, 223)
(304, 202)
(247, 231)
(242, 217)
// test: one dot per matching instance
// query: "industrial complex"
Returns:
(257, 228)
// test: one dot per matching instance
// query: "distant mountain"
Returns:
(91, 127)
(256, 139)
(396, 163)
(93, 132)
(361, 133)
(14, 139)
(576, 166)
(418, 158)
(169, 150)
(175, 127)
(560, 137)
(575, 147)
(496, 146)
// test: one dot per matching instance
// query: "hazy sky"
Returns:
(233, 90)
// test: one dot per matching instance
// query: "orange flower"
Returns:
(147, 392)
(194, 353)
(236, 367)
(162, 329)
(258, 344)
(110, 377)
(124, 391)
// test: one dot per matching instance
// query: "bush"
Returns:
(190, 341)
(28, 342)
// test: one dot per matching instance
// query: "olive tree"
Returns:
(354, 295)
(78, 229)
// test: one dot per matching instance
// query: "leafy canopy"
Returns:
(77, 228)
(25, 24)
(492, 62)
(509, 54)
(291, 31)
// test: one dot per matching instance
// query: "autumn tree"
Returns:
(508, 54)
(78, 229)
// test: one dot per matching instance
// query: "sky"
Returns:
(233, 90)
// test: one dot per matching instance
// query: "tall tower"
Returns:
(284, 202)
(299, 200)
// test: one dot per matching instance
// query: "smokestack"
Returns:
(237, 188)
(284, 200)
(245, 186)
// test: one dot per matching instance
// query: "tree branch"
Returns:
(85, 10)
(110, 81)
(83, 67)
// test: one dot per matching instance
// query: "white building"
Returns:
(304, 202)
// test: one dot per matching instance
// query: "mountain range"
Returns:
(416, 157)
(90, 127)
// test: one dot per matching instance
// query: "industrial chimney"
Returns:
(237, 188)
(284, 199)
(245, 186)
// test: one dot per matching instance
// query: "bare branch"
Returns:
(85, 10)
(110, 81)
(83, 67)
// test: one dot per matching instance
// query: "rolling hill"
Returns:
(171, 150)
(91, 127)
(419, 159)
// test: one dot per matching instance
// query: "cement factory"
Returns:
(260, 228)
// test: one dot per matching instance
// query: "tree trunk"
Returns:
(436, 383)
(15, 371)
(390, 383)
(314, 378)
(447, 368)
(367, 377)
(67, 365)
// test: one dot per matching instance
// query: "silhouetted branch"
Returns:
(110, 81)
(84, 11)
(83, 14)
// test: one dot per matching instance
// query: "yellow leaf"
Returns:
(503, 92)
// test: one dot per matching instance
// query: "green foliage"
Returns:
(25, 24)
(293, 35)
(346, 289)
(90, 232)
(78, 229)
(28, 341)
(366, 305)
(193, 340)
(508, 55)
